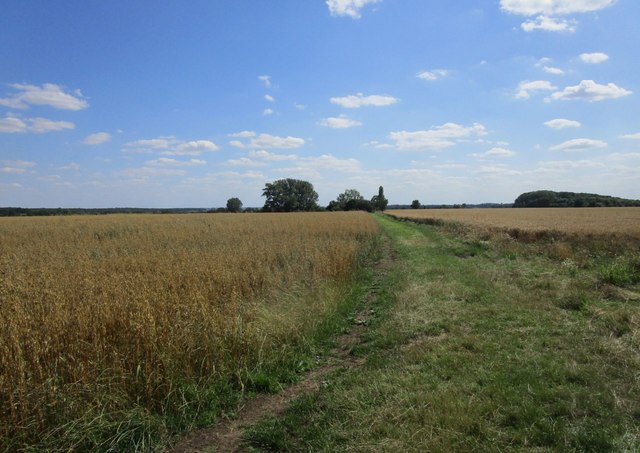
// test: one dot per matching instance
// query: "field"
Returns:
(489, 331)
(619, 221)
(118, 330)
(480, 342)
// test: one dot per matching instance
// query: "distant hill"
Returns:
(550, 199)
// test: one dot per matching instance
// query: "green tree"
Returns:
(289, 195)
(415, 204)
(350, 200)
(379, 201)
(234, 205)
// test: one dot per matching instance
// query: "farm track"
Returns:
(227, 435)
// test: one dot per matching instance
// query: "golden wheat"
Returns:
(105, 311)
(565, 220)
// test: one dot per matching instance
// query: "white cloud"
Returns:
(528, 87)
(97, 139)
(312, 167)
(243, 134)
(632, 136)
(588, 90)
(48, 94)
(350, 8)
(553, 70)
(376, 144)
(340, 122)
(330, 162)
(497, 170)
(360, 100)
(496, 152)
(266, 80)
(546, 23)
(244, 162)
(170, 146)
(15, 166)
(437, 138)
(561, 123)
(144, 173)
(152, 144)
(71, 166)
(169, 162)
(269, 98)
(191, 148)
(579, 144)
(267, 141)
(566, 165)
(594, 58)
(267, 112)
(14, 125)
(266, 155)
(432, 75)
(553, 7)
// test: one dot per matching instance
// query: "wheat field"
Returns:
(123, 314)
(599, 221)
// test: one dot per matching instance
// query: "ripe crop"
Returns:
(101, 316)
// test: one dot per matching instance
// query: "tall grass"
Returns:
(113, 329)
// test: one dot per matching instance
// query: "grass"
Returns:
(483, 343)
(117, 332)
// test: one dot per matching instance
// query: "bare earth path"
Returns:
(226, 436)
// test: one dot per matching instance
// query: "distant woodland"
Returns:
(550, 199)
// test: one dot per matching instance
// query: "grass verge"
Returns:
(480, 345)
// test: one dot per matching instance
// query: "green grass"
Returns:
(481, 346)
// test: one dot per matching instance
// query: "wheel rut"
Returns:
(227, 435)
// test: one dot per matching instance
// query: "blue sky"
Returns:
(169, 103)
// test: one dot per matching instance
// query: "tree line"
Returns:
(291, 195)
(551, 199)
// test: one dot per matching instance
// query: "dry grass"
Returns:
(565, 220)
(102, 314)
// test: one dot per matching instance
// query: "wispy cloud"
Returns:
(97, 139)
(360, 100)
(14, 125)
(340, 122)
(495, 152)
(553, 7)
(548, 10)
(594, 58)
(266, 141)
(170, 146)
(15, 166)
(48, 94)
(588, 90)
(265, 79)
(433, 75)
(437, 138)
(579, 144)
(528, 87)
(562, 123)
(546, 23)
(349, 8)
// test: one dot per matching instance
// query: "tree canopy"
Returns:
(289, 195)
(550, 199)
(350, 200)
(379, 201)
(234, 205)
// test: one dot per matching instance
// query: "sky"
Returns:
(168, 103)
